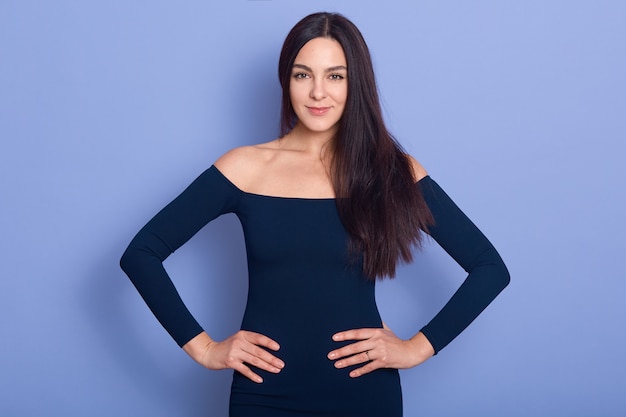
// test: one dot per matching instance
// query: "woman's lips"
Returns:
(318, 111)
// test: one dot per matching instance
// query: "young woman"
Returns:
(327, 209)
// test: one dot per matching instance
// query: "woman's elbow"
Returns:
(128, 259)
(502, 275)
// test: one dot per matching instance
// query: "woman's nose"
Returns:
(317, 90)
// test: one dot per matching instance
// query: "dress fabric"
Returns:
(303, 288)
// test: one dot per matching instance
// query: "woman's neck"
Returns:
(304, 140)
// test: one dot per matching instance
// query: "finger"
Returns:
(247, 372)
(258, 363)
(261, 340)
(366, 369)
(362, 357)
(354, 334)
(351, 349)
(261, 358)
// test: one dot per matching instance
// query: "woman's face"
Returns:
(319, 85)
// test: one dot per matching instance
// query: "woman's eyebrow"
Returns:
(336, 68)
(330, 69)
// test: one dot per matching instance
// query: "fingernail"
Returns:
(335, 337)
(332, 355)
(339, 364)
(354, 374)
(259, 379)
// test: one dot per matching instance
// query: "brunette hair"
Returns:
(378, 202)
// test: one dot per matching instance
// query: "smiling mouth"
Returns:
(318, 111)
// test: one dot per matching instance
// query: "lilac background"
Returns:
(109, 109)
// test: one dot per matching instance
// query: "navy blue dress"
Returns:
(303, 288)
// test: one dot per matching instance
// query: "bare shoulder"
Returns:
(419, 171)
(234, 159)
(241, 165)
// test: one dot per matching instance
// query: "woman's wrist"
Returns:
(422, 348)
(198, 346)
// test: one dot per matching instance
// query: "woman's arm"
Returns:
(487, 276)
(206, 198)
(209, 196)
(468, 246)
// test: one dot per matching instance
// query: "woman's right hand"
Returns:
(236, 352)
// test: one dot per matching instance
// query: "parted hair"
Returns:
(378, 201)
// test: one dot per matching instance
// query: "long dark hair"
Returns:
(378, 202)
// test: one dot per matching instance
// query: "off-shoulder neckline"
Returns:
(277, 197)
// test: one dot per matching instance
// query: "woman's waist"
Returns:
(306, 342)
(304, 322)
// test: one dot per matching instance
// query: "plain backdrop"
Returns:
(108, 109)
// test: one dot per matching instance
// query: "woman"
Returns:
(327, 209)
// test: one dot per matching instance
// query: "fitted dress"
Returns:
(303, 288)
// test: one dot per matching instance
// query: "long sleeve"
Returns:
(487, 274)
(209, 196)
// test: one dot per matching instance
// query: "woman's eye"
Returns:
(300, 75)
(336, 77)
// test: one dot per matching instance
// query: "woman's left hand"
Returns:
(379, 348)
